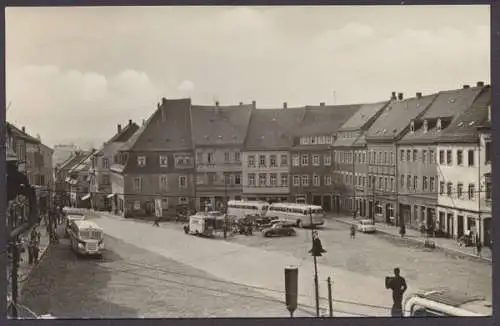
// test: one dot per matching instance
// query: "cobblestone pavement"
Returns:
(377, 254)
(129, 282)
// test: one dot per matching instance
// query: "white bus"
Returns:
(298, 214)
(203, 224)
(86, 237)
(242, 208)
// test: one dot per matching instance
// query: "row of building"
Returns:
(418, 160)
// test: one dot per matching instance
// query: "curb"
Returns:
(420, 242)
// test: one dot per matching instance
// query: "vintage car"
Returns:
(366, 226)
(279, 230)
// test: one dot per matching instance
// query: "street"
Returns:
(129, 282)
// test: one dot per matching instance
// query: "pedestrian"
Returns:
(397, 284)
(353, 232)
(157, 221)
(479, 246)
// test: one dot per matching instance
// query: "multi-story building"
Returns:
(218, 134)
(104, 158)
(311, 169)
(157, 162)
(45, 177)
(381, 139)
(463, 172)
(417, 159)
(266, 153)
(349, 164)
(485, 199)
(23, 145)
(81, 181)
(62, 180)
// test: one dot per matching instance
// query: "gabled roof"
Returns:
(167, 129)
(16, 132)
(217, 125)
(363, 116)
(323, 120)
(83, 163)
(124, 134)
(272, 129)
(73, 160)
(447, 106)
(465, 127)
(396, 117)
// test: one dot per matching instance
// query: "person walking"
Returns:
(353, 232)
(157, 221)
(479, 246)
(397, 284)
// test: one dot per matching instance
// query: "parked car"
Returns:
(280, 230)
(366, 226)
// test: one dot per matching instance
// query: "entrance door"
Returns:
(451, 226)
(370, 209)
(460, 225)
(487, 231)
(327, 203)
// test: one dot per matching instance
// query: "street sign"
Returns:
(158, 208)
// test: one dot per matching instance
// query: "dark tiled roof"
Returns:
(73, 161)
(16, 132)
(362, 116)
(226, 125)
(464, 127)
(272, 129)
(322, 120)
(448, 105)
(124, 134)
(168, 128)
(396, 117)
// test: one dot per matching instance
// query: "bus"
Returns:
(86, 237)
(205, 224)
(241, 208)
(297, 214)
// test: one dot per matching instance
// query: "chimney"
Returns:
(24, 129)
(119, 128)
(419, 95)
(480, 84)
(466, 86)
(241, 103)
(322, 104)
(163, 101)
(400, 96)
(217, 103)
(130, 122)
(393, 96)
(158, 105)
(285, 105)
(254, 104)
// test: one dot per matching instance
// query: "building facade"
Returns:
(311, 169)
(218, 136)
(266, 153)
(62, 182)
(157, 163)
(81, 181)
(382, 152)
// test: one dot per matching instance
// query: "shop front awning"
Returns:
(110, 196)
(87, 196)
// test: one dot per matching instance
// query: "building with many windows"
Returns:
(381, 139)
(350, 160)
(266, 153)
(218, 136)
(157, 162)
(417, 160)
(463, 172)
(311, 168)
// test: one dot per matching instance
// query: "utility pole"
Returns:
(225, 206)
(316, 285)
(14, 275)
(330, 298)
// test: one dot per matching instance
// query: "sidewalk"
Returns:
(448, 245)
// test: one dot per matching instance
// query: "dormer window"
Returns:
(412, 126)
(426, 126)
(438, 125)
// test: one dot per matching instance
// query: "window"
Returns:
(487, 152)
(210, 158)
(315, 160)
(163, 182)
(380, 183)
(415, 183)
(141, 160)
(296, 180)
(460, 190)
(199, 158)
(236, 156)
(415, 155)
(392, 184)
(460, 157)
(296, 160)
(424, 156)
(273, 161)
(105, 163)
(105, 179)
(273, 178)
(316, 180)
(441, 188)
(305, 159)
(408, 182)
(226, 156)
(408, 156)
(262, 179)
(432, 156)
(425, 185)
(284, 160)
(431, 184)
(284, 180)
(182, 200)
(237, 179)
(251, 161)
(327, 159)
(472, 191)
(227, 179)
(449, 189)
(391, 158)
(251, 179)
(385, 158)
(164, 161)
(449, 158)
(471, 157)
(402, 155)
(364, 158)
(402, 181)
(137, 184)
(441, 157)
(262, 161)
(182, 181)
(385, 183)
(488, 190)
(328, 180)
(305, 180)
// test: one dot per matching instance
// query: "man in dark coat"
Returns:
(398, 286)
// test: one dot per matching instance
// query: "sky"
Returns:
(73, 74)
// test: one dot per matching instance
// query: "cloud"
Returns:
(186, 86)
